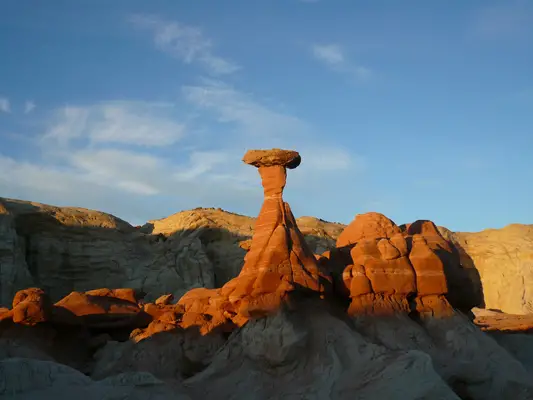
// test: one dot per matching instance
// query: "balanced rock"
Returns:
(278, 262)
(268, 158)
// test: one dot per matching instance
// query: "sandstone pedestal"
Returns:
(279, 260)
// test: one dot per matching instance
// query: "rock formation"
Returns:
(379, 315)
(501, 261)
(384, 269)
(278, 262)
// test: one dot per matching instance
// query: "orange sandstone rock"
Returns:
(31, 306)
(388, 265)
(367, 226)
(101, 308)
(429, 268)
(278, 262)
(266, 158)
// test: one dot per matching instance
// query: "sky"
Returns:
(415, 109)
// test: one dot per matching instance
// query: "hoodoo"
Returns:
(279, 260)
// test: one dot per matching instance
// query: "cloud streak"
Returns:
(186, 43)
(123, 122)
(257, 125)
(121, 152)
(231, 106)
(334, 57)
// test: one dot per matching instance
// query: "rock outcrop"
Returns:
(502, 262)
(14, 273)
(385, 269)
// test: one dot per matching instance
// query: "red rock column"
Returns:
(279, 260)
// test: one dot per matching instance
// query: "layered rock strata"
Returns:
(385, 269)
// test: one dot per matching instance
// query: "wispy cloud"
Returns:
(92, 158)
(186, 43)
(334, 56)
(112, 154)
(331, 54)
(231, 106)
(29, 106)
(258, 125)
(5, 105)
(126, 122)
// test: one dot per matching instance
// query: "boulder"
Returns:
(164, 300)
(273, 157)
(31, 306)
(101, 308)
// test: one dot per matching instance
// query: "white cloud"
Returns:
(131, 171)
(29, 106)
(334, 56)
(87, 157)
(69, 123)
(330, 53)
(187, 43)
(5, 106)
(125, 122)
(259, 123)
(260, 126)
(111, 155)
(201, 162)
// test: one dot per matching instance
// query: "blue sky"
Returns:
(416, 109)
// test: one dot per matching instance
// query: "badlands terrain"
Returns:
(207, 304)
